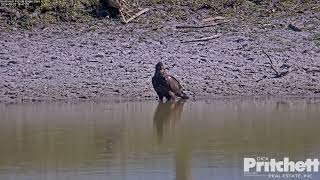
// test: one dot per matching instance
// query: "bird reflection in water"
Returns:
(166, 115)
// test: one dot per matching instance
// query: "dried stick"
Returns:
(271, 65)
(199, 26)
(202, 39)
(126, 13)
(137, 15)
(123, 16)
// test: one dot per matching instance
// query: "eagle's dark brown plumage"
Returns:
(166, 85)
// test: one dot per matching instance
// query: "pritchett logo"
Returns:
(264, 166)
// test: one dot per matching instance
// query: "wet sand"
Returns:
(105, 59)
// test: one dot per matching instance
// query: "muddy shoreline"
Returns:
(105, 59)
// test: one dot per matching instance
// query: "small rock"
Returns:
(239, 40)
(99, 56)
(294, 28)
(12, 62)
(285, 66)
(5, 58)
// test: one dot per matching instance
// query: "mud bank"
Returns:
(104, 59)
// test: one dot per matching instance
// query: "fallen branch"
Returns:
(199, 26)
(202, 39)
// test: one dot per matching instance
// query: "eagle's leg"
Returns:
(160, 97)
(171, 96)
(182, 95)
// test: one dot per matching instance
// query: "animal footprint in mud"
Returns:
(166, 85)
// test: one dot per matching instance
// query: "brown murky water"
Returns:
(146, 140)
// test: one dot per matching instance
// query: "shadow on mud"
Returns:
(104, 9)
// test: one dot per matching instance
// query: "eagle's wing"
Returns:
(174, 84)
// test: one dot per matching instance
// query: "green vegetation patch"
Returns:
(51, 11)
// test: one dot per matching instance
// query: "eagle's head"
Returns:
(160, 68)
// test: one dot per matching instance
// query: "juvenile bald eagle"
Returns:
(166, 85)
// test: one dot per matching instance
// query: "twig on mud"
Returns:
(313, 70)
(216, 18)
(261, 78)
(202, 39)
(278, 74)
(271, 64)
(199, 26)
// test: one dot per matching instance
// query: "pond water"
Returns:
(192, 140)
